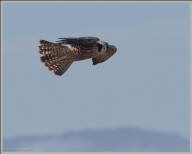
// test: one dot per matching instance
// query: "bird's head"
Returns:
(105, 53)
(111, 50)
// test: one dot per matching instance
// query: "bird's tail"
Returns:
(55, 56)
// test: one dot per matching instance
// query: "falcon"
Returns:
(59, 56)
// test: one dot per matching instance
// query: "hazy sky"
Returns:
(145, 84)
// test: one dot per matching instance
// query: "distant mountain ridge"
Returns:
(100, 140)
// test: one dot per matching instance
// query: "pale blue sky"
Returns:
(145, 84)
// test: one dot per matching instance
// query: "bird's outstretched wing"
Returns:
(78, 40)
(83, 44)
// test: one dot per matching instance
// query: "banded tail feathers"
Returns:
(54, 57)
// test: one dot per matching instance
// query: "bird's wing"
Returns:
(78, 40)
(82, 43)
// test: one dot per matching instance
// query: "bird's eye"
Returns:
(105, 47)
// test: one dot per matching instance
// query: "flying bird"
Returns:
(60, 55)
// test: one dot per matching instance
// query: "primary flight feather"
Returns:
(60, 55)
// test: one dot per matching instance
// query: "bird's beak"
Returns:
(113, 48)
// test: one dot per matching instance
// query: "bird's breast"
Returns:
(84, 54)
